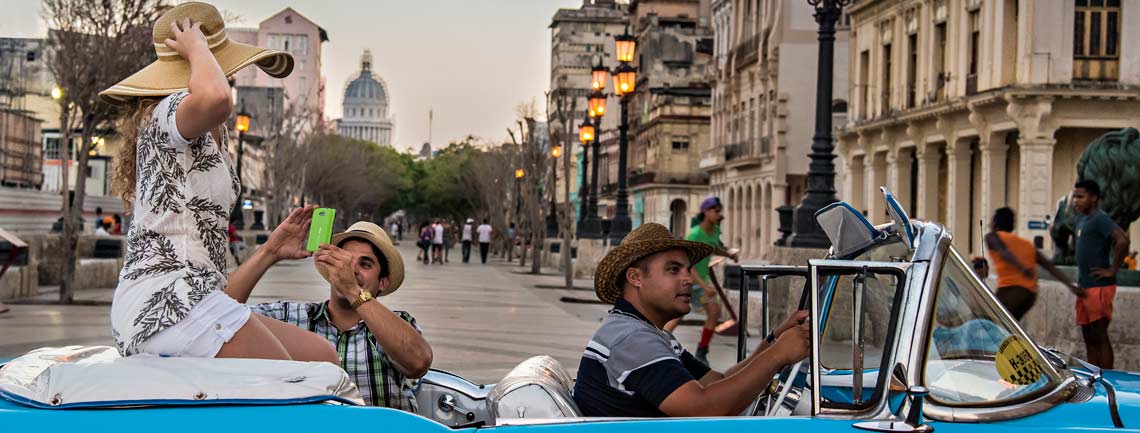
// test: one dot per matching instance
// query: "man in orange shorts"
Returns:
(1101, 248)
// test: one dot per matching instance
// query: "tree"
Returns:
(560, 132)
(92, 45)
(285, 156)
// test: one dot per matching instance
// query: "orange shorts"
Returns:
(1097, 305)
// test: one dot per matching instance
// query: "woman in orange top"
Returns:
(1015, 262)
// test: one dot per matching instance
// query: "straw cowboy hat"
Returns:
(375, 235)
(171, 72)
(649, 239)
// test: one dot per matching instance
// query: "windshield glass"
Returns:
(975, 355)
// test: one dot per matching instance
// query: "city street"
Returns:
(480, 320)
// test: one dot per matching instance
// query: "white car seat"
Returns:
(536, 388)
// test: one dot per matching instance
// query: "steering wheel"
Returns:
(787, 381)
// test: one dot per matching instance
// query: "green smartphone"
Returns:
(320, 230)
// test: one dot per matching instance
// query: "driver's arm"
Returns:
(731, 394)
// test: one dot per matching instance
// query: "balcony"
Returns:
(653, 177)
(746, 52)
(745, 152)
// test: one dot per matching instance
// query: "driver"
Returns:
(632, 368)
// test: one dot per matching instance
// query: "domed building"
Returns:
(365, 106)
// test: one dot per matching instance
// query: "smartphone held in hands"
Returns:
(320, 230)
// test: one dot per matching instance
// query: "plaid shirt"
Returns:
(361, 356)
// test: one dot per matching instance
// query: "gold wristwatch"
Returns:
(363, 297)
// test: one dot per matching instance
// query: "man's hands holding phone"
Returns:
(336, 265)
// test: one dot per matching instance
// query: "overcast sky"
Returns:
(471, 61)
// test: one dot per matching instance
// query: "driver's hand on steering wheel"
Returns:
(794, 344)
(796, 318)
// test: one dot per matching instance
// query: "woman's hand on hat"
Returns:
(188, 38)
(287, 242)
(338, 266)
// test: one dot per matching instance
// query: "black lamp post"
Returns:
(821, 173)
(242, 125)
(519, 173)
(585, 136)
(592, 228)
(625, 80)
(552, 219)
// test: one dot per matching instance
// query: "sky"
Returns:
(471, 62)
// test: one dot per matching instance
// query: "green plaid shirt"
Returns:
(361, 356)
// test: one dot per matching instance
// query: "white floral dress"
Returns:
(176, 246)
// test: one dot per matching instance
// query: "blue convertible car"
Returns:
(907, 340)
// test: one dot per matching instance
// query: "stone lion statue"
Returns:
(1113, 162)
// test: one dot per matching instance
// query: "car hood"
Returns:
(1127, 389)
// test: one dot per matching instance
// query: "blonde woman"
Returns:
(174, 298)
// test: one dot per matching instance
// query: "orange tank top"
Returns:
(1007, 273)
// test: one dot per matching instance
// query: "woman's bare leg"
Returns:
(254, 340)
(302, 345)
(265, 338)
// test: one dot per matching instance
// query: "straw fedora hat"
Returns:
(375, 235)
(649, 239)
(171, 72)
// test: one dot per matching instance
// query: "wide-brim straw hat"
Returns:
(649, 239)
(375, 235)
(171, 72)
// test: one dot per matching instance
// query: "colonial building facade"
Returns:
(292, 32)
(579, 39)
(763, 113)
(668, 112)
(964, 106)
(365, 106)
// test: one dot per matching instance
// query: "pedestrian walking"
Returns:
(424, 243)
(466, 239)
(1101, 248)
(236, 244)
(707, 231)
(484, 232)
(448, 240)
(174, 296)
(1015, 261)
(437, 242)
(393, 229)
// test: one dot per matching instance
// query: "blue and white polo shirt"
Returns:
(630, 367)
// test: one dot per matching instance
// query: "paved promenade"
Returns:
(480, 320)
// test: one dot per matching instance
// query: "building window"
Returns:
(911, 70)
(886, 104)
(939, 60)
(975, 46)
(1096, 40)
(288, 19)
(680, 146)
(51, 148)
(865, 83)
(839, 106)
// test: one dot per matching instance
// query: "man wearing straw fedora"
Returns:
(379, 348)
(633, 368)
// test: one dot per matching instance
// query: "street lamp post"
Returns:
(552, 219)
(242, 125)
(821, 172)
(593, 225)
(625, 82)
(519, 173)
(585, 135)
